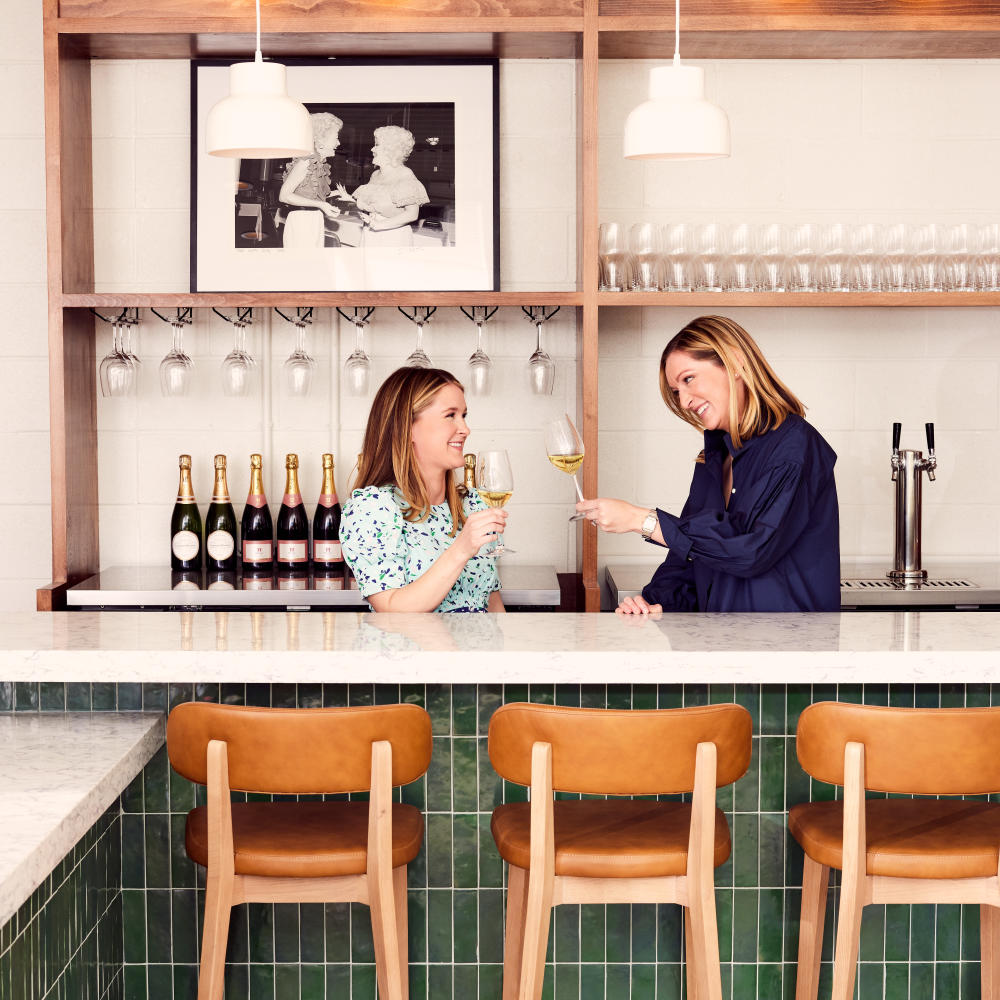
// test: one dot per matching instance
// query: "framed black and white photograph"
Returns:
(399, 194)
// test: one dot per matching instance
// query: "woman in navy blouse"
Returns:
(760, 528)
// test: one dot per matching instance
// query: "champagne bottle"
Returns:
(468, 486)
(327, 555)
(350, 582)
(220, 525)
(293, 523)
(257, 529)
(185, 524)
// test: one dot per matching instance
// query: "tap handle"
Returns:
(897, 430)
(930, 438)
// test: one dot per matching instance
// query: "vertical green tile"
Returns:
(946, 979)
(286, 933)
(464, 708)
(770, 926)
(567, 982)
(417, 920)
(465, 775)
(490, 862)
(490, 698)
(592, 930)
(772, 773)
(872, 945)
(260, 927)
(438, 850)
(669, 932)
(466, 982)
(897, 933)
(465, 910)
(643, 932)
(439, 708)
(745, 908)
(592, 982)
(744, 833)
(157, 834)
(313, 983)
(337, 932)
(184, 919)
(970, 933)
(158, 925)
(491, 926)
(362, 943)
(439, 945)
(439, 981)
(52, 697)
(311, 934)
(465, 850)
(261, 982)
(439, 777)
(746, 791)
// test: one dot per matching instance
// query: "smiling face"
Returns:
(702, 388)
(438, 433)
(328, 144)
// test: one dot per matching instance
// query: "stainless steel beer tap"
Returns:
(907, 468)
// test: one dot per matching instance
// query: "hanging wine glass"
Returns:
(117, 374)
(358, 366)
(131, 322)
(541, 367)
(480, 380)
(176, 366)
(299, 365)
(238, 365)
(421, 315)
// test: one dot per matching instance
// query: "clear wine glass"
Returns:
(564, 446)
(117, 374)
(541, 367)
(495, 484)
(358, 366)
(421, 315)
(480, 381)
(176, 366)
(130, 323)
(238, 365)
(299, 365)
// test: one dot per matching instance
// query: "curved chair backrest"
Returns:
(915, 751)
(299, 751)
(602, 751)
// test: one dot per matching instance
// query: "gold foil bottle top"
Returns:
(220, 461)
(291, 461)
(256, 462)
(185, 489)
(327, 460)
(185, 462)
(470, 461)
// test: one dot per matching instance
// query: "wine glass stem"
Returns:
(576, 483)
(420, 337)
(538, 337)
(479, 338)
(358, 338)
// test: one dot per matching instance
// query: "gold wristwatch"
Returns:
(649, 524)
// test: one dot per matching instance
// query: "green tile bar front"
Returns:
(120, 917)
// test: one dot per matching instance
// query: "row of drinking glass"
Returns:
(119, 368)
(806, 257)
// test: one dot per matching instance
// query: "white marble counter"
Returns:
(59, 772)
(339, 647)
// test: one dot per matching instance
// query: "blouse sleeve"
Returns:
(409, 191)
(748, 544)
(673, 585)
(371, 536)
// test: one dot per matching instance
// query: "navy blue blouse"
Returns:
(775, 548)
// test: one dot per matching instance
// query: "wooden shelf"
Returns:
(801, 300)
(205, 300)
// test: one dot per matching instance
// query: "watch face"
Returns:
(649, 525)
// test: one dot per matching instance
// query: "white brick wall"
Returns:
(812, 141)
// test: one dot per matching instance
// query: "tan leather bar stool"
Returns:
(614, 851)
(311, 851)
(897, 850)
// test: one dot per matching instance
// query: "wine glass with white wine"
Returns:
(564, 446)
(495, 484)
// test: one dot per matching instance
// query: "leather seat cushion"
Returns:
(615, 838)
(305, 839)
(907, 838)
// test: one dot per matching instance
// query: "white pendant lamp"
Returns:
(258, 120)
(676, 123)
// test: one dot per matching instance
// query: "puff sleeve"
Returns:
(371, 535)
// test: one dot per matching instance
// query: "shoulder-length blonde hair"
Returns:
(387, 457)
(725, 343)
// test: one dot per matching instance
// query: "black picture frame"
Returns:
(243, 235)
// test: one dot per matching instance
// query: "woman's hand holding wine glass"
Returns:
(495, 484)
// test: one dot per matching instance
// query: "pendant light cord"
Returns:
(677, 32)
(258, 58)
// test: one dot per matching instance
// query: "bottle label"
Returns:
(292, 552)
(257, 552)
(185, 545)
(220, 545)
(327, 552)
(328, 583)
(258, 583)
(292, 583)
(257, 500)
(292, 499)
(327, 499)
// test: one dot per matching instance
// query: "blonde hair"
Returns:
(725, 343)
(324, 125)
(397, 141)
(387, 456)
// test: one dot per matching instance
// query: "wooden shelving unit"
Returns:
(77, 31)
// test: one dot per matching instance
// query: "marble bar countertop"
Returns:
(346, 647)
(59, 772)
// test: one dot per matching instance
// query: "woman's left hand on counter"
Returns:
(638, 605)
(615, 516)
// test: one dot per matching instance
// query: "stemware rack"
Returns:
(78, 31)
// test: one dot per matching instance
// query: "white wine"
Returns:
(567, 463)
(495, 498)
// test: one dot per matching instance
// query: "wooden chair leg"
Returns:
(513, 944)
(989, 943)
(537, 914)
(218, 907)
(399, 891)
(382, 901)
(691, 957)
(815, 883)
(703, 946)
(845, 960)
